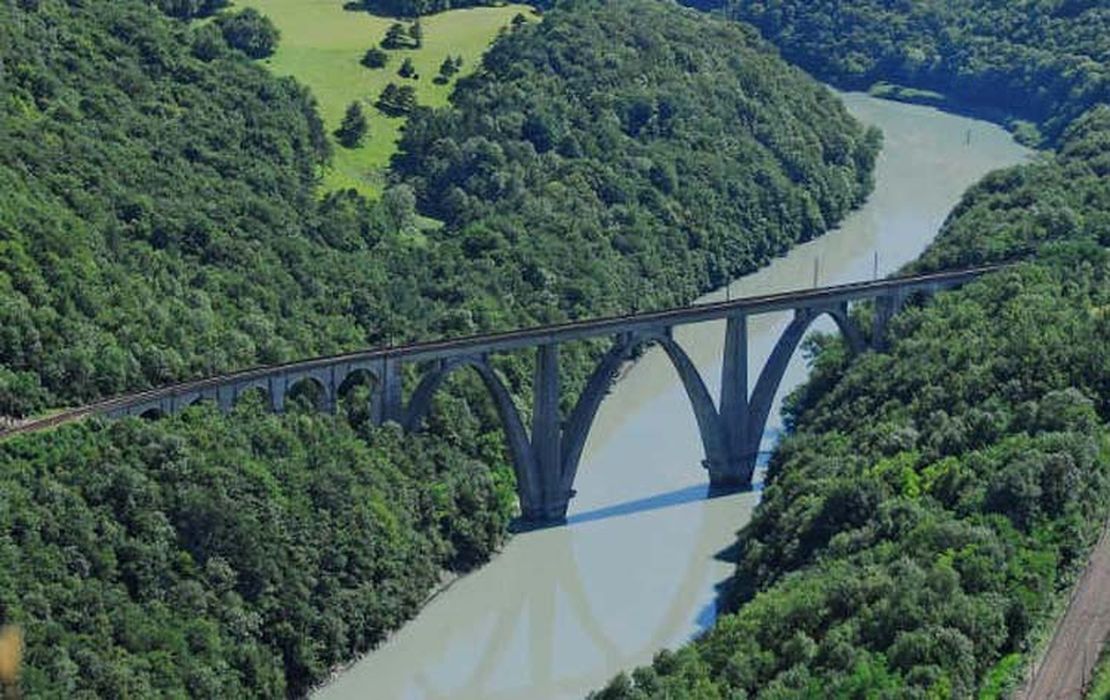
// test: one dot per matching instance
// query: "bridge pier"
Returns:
(886, 307)
(548, 503)
(548, 511)
(733, 470)
(225, 398)
(388, 403)
(330, 399)
(729, 476)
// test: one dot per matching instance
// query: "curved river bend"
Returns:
(561, 611)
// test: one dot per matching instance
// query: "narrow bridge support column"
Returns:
(330, 399)
(225, 398)
(278, 387)
(388, 401)
(553, 496)
(735, 471)
(885, 308)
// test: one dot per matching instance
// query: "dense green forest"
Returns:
(1046, 61)
(225, 558)
(158, 219)
(162, 220)
(931, 506)
(142, 207)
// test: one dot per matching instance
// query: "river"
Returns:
(635, 569)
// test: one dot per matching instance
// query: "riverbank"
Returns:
(932, 502)
(1024, 131)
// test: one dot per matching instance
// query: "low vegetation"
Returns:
(888, 91)
(1100, 684)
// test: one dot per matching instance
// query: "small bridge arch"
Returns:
(310, 388)
(152, 413)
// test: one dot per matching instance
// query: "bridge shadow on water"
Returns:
(670, 499)
(723, 600)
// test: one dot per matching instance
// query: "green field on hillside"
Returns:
(321, 45)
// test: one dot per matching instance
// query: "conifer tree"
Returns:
(353, 127)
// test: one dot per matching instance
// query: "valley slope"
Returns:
(162, 220)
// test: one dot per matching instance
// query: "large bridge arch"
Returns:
(597, 387)
(770, 377)
(528, 479)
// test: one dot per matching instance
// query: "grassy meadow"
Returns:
(321, 46)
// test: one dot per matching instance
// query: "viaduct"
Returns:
(546, 454)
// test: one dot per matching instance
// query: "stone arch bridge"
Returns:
(546, 453)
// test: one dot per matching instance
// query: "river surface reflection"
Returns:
(635, 569)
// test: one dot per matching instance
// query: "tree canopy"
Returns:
(416, 8)
(249, 31)
(353, 127)
(208, 557)
(617, 144)
(1046, 61)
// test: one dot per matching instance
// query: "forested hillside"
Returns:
(215, 558)
(162, 220)
(927, 514)
(158, 219)
(616, 145)
(1045, 61)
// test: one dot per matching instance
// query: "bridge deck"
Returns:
(541, 335)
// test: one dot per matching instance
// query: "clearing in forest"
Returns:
(322, 45)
